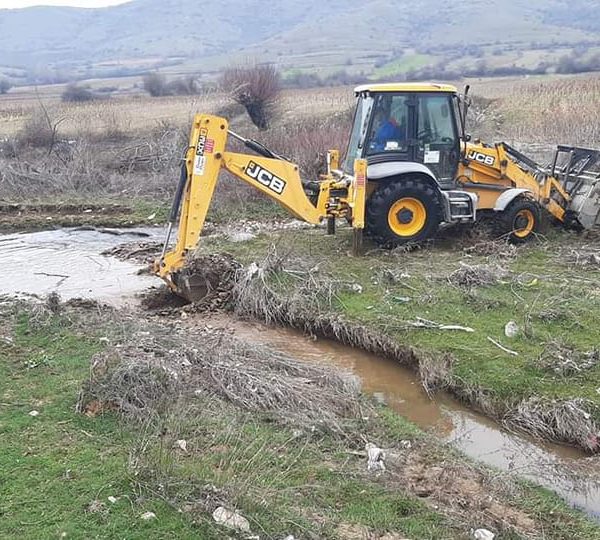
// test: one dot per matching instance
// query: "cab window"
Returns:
(389, 129)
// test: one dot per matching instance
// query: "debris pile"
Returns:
(143, 377)
(565, 360)
(469, 276)
(493, 249)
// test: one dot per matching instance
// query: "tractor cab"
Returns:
(416, 123)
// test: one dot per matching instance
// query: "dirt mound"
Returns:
(207, 280)
(461, 490)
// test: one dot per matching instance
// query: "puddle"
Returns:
(559, 468)
(68, 261)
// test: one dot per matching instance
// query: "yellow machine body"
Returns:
(489, 171)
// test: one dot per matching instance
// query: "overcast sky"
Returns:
(78, 3)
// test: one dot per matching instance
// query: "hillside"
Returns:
(149, 33)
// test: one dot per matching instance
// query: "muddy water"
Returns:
(562, 469)
(68, 261)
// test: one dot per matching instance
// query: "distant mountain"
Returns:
(332, 31)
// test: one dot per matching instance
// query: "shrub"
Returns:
(155, 84)
(184, 86)
(74, 93)
(5, 85)
(257, 88)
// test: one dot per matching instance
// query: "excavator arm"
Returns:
(498, 174)
(271, 174)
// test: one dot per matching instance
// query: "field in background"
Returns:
(129, 146)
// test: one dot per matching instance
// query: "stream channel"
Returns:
(68, 261)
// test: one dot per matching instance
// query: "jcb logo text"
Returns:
(481, 158)
(266, 178)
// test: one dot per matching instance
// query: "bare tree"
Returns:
(255, 87)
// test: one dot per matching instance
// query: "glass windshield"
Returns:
(389, 127)
(359, 128)
(437, 136)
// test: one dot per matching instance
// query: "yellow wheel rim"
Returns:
(407, 217)
(524, 223)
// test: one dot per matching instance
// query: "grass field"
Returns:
(60, 468)
(404, 64)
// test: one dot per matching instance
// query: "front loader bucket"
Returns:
(578, 170)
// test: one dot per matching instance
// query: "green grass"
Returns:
(404, 64)
(539, 283)
(54, 465)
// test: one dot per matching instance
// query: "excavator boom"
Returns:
(271, 174)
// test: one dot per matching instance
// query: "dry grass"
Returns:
(132, 146)
(538, 114)
(568, 421)
(142, 380)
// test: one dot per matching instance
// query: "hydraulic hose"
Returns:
(175, 205)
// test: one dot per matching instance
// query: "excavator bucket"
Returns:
(210, 276)
(578, 170)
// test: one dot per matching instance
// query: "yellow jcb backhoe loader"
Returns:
(409, 168)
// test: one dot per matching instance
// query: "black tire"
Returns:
(386, 196)
(520, 222)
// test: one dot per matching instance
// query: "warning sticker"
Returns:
(432, 156)
(209, 146)
(199, 165)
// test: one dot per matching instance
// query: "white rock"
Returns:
(240, 236)
(376, 457)
(34, 413)
(112, 499)
(511, 329)
(407, 445)
(181, 444)
(231, 519)
(483, 534)
(356, 288)
(147, 516)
